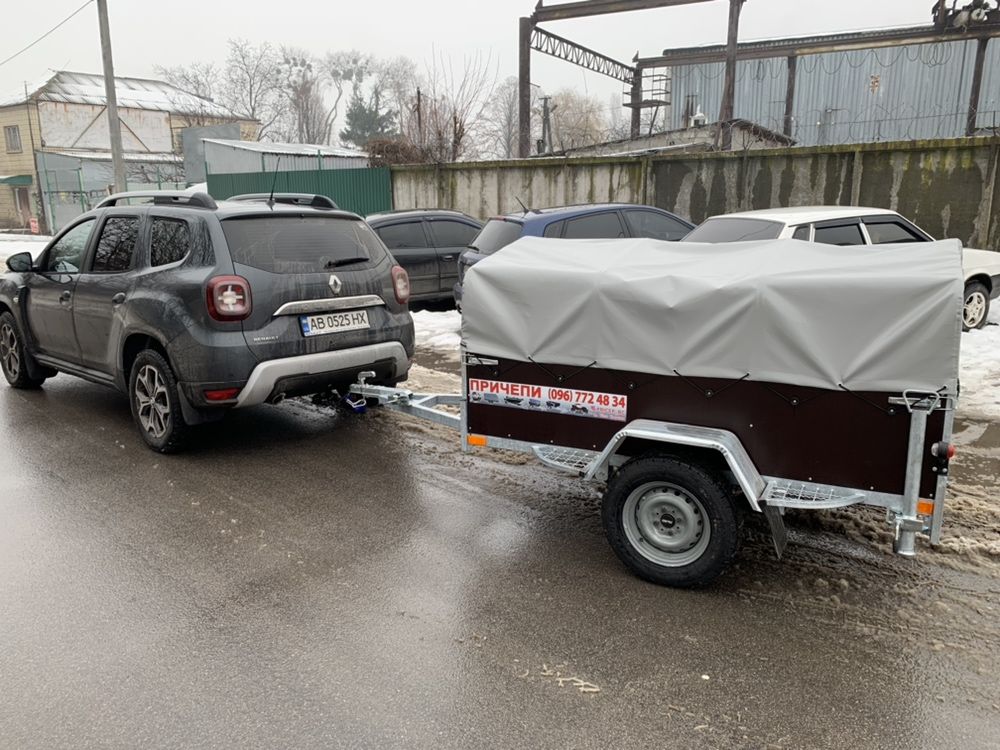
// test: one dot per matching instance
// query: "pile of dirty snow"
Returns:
(979, 370)
(439, 331)
(980, 363)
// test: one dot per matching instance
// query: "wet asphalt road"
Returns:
(301, 579)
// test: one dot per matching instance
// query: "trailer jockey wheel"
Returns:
(670, 521)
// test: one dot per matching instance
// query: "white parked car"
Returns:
(853, 225)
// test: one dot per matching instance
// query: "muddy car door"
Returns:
(450, 238)
(413, 250)
(102, 290)
(316, 282)
(50, 293)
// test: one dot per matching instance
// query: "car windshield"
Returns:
(300, 244)
(495, 234)
(734, 229)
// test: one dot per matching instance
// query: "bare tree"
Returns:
(578, 120)
(304, 84)
(456, 103)
(197, 83)
(251, 85)
(500, 126)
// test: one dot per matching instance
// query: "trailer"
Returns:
(705, 382)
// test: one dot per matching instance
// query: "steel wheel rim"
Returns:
(152, 402)
(666, 524)
(975, 308)
(10, 355)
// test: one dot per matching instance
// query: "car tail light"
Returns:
(223, 394)
(400, 285)
(228, 298)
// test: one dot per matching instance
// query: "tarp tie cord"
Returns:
(794, 401)
(888, 411)
(709, 392)
(561, 378)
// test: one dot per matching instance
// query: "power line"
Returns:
(67, 18)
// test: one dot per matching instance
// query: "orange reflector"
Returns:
(925, 508)
(476, 440)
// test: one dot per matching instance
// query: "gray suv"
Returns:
(193, 307)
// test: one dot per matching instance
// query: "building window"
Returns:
(12, 135)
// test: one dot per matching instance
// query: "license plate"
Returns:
(318, 325)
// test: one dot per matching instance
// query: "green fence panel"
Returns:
(363, 191)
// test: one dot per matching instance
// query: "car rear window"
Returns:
(496, 233)
(722, 229)
(301, 244)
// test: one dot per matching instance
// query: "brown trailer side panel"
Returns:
(830, 437)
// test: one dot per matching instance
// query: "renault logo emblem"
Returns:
(336, 284)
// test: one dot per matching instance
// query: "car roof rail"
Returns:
(163, 198)
(294, 199)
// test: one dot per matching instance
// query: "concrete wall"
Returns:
(948, 187)
(488, 188)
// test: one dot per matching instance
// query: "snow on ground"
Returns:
(979, 371)
(439, 331)
(980, 362)
(19, 243)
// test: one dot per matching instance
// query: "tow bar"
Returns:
(399, 399)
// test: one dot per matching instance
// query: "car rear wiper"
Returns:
(345, 262)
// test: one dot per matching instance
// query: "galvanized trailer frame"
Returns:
(907, 513)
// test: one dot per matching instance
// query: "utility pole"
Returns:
(724, 133)
(114, 124)
(420, 118)
(545, 146)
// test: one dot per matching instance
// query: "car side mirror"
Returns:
(20, 262)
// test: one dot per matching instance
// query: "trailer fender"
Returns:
(725, 443)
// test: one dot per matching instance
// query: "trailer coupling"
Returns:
(421, 405)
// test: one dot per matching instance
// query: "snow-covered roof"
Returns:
(134, 156)
(133, 93)
(309, 149)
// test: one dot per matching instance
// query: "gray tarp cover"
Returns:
(882, 318)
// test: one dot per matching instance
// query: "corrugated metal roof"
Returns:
(132, 93)
(298, 149)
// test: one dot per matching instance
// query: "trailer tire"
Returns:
(670, 522)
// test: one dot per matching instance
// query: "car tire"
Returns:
(13, 355)
(670, 522)
(156, 406)
(976, 306)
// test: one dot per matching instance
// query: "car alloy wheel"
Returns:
(152, 401)
(975, 309)
(10, 353)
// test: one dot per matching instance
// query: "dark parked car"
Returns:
(427, 244)
(588, 222)
(194, 307)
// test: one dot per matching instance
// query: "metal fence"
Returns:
(363, 191)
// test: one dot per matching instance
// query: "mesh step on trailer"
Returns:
(787, 493)
(572, 460)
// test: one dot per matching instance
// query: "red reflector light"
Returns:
(400, 285)
(228, 298)
(951, 451)
(224, 394)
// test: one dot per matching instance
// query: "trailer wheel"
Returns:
(670, 522)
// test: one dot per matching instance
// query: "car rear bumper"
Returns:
(310, 371)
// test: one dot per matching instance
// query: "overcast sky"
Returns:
(147, 33)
